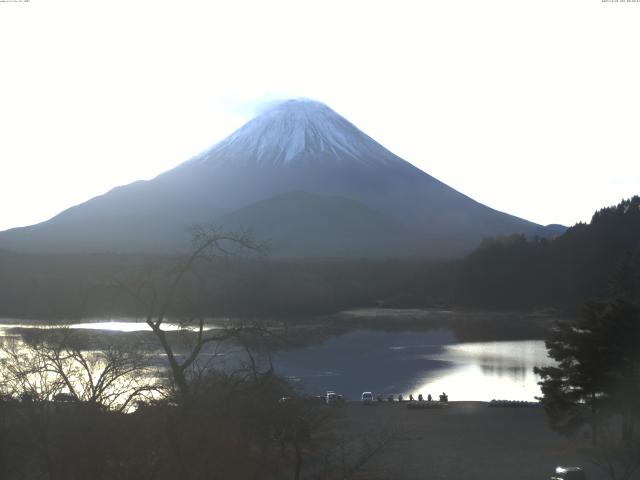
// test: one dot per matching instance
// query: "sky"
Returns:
(530, 107)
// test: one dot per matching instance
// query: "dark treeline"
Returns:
(515, 272)
(503, 273)
(76, 286)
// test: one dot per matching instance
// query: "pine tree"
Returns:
(598, 360)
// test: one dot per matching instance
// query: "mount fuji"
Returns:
(299, 176)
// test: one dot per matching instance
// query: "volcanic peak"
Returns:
(296, 130)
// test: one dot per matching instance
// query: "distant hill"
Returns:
(360, 198)
(305, 224)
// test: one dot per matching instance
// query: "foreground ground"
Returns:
(468, 440)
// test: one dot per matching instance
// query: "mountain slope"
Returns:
(305, 224)
(299, 145)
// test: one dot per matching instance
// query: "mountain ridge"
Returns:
(298, 145)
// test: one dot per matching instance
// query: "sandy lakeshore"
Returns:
(468, 440)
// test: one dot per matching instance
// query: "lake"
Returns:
(411, 361)
(417, 362)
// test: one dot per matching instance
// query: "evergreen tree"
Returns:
(574, 391)
(598, 369)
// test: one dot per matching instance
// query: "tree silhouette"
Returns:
(598, 370)
(158, 293)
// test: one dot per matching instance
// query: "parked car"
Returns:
(367, 398)
(331, 398)
(569, 473)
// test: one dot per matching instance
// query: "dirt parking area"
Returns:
(467, 440)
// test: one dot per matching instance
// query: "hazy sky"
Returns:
(531, 107)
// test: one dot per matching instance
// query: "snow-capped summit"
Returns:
(297, 130)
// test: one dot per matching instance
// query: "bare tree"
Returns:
(158, 294)
(64, 391)
(61, 364)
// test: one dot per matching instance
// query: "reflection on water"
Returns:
(488, 370)
(124, 326)
(109, 325)
(418, 362)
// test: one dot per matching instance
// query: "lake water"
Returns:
(417, 362)
(397, 362)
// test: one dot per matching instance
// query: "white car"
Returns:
(367, 398)
(331, 398)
